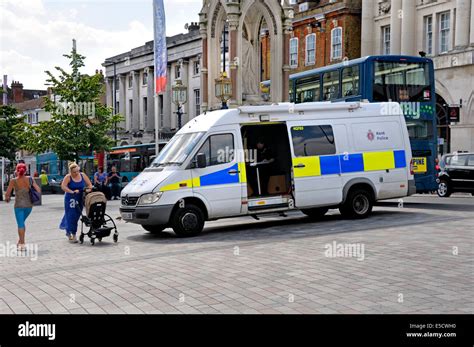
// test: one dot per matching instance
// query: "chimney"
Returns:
(17, 91)
(194, 26)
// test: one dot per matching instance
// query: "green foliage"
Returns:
(9, 141)
(79, 121)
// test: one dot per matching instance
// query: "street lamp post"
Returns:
(223, 89)
(180, 97)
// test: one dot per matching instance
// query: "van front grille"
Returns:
(129, 201)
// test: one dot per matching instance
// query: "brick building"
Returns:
(16, 94)
(324, 32)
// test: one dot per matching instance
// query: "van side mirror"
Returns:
(201, 161)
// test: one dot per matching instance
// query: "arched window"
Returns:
(336, 43)
(311, 49)
(294, 52)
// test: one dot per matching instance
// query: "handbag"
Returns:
(34, 195)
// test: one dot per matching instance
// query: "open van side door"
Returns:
(316, 165)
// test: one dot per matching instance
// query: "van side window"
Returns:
(311, 141)
(219, 149)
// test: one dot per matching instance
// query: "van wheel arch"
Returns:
(359, 183)
(194, 201)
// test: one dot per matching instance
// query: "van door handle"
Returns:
(300, 166)
(233, 172)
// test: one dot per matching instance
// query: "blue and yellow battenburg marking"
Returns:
(212, 179)
(348, 163)
(311, 166)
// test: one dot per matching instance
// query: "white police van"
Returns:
(270, 159)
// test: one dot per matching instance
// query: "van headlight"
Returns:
(148, 199)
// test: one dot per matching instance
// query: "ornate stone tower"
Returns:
(232, 32)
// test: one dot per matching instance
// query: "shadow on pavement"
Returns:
(430, 206)
(278, 229)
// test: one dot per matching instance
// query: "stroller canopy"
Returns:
(93, 198)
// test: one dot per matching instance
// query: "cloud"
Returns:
(33, 38)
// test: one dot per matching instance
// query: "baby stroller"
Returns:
(99, 223)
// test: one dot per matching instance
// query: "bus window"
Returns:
(308, 89)
(331, 85)
(350, 81)
(402, 82)
(420, 130)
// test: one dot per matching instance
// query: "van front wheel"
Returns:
(358, 205)
(187, 221)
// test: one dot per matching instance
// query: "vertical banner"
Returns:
(160, 48)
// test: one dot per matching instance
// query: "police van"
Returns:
(257, 160)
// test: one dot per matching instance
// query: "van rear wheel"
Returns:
(358, 204)
(187, 221)
(154, 229)
(315, 212)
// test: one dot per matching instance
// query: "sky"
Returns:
(34, 34)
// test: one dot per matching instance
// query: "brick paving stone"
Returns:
(407, 251)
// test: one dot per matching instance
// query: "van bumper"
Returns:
(147, 215)
(411, 187)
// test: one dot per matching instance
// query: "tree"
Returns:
(9, 141)
(79, 121)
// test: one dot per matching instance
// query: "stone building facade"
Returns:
(131, 76)
(444, 31)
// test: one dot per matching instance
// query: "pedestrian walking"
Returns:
(21, 185)
(73, 185)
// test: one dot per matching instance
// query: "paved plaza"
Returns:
(415, 257)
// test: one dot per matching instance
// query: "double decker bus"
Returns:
(131, 160)
(403, 79)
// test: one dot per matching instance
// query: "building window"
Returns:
(117, 84)
(177, 71)
(386, 40)
(145, 78)
(444, 32)
(145, 111)
(294, 52)
(117, 107)
(428, 24)
(197, 67)
(336, 43)
(197, 101)
(310, 49)
(130, 81)
(130, 111)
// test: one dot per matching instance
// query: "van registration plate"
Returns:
(420, 165)
(127, 215)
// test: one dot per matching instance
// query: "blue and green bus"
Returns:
(404, 79)
(131, 160)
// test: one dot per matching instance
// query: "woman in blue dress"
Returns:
(73, 185)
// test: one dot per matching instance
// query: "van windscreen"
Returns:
(177, 150)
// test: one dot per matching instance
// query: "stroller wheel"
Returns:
(81, 239)
(100, 239)
(115, 238)
(92, 242)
